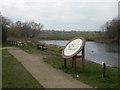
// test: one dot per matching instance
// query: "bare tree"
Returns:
(5, 26)
(111, 29)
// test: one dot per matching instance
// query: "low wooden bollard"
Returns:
(44, 48)
(104, 69)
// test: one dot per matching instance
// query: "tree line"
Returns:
(111, 29)
(19, 29)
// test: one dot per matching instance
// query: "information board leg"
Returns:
(65, 63)
(74, 63)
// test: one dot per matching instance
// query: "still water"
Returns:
(96, 52)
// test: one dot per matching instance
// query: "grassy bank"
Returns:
(67, 35)
(60, 35)
(51, 49)
(14, 75)
(92, 74)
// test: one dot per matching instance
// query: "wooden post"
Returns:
(74, 62)
(104, 69)
(83, 59)
(65, 63)
(42, 46)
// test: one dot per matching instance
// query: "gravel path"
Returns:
(48, 76)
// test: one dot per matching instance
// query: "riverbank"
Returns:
(107, 40)
(67, 35)
(92, 74)
(95, 52)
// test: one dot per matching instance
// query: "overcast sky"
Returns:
(62, 14)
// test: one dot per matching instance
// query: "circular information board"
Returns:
(73, 47)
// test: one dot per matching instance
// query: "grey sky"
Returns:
(62, 14)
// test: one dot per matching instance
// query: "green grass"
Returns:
(6, 45)
(14, 75)
(52, 49)
(92, 74)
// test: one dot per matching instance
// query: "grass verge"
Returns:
(67, 36)
(14, 75)
(92, 74)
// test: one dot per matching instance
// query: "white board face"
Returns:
(73, 47)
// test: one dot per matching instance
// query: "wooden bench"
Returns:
(42, 47)
(22, 44)
(11, 42)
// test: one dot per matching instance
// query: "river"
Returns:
(96, 52)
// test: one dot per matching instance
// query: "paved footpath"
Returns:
(46, 75)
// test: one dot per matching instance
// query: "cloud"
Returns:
(64, 14)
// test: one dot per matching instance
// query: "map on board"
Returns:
(73, 47)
